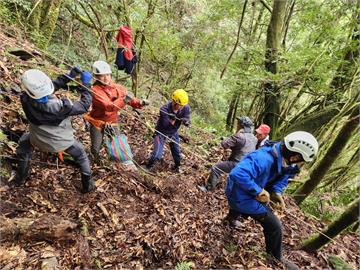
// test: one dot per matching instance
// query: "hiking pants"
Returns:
(96, 137)
(272, 229)
(159, 142)
(217, 170)
(25, 149)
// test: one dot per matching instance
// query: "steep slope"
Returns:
(134, 219)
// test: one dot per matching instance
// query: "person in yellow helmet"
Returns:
(172, 115)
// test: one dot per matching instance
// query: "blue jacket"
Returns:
(259, 169)
(163, 124)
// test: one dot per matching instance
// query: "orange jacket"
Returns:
(107, 99)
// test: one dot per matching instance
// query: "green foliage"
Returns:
(184, 265)
(329, 204)
(3, 137)
(232, 248)
(337, 263)
(6, 13)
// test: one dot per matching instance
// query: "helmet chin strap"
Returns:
(102, 82)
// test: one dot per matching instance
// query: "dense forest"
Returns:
(291, 64)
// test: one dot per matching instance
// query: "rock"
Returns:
(50, 264)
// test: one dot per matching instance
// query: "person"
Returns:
(49, 119)
(264, 171)
(107, 99)
(172, 115)
(241, 143)
(262, 135)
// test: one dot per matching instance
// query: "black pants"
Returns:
(272, 229)
(24, 153)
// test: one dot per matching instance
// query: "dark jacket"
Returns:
(163, 124)
(54, 112)
(50, 123)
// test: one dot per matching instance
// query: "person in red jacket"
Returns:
(108, 98)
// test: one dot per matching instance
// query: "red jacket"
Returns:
(107, 99)
(124, 38)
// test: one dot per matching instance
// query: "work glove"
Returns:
(278, 200)
(74, 72)
(85, 77)
(128, 97)
(172, 116)
(185, 122)
(263, 196)
(144, 102)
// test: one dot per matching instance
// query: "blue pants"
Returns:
(159, 142)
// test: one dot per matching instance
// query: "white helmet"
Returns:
(101, 68)
(37, 84)
(302, 142)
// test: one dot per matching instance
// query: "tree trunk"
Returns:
(347, 68)
(287, 23)
(46, 227)
(320, 169)
(313, 121)
(272, 94)
(231, 115)
(49, 19)
(44, 17)
(349, 217)
(236, 42)
(140, 33)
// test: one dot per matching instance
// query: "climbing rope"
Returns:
(122, 109)
(144, 123)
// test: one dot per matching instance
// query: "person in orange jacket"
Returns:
(108, 98)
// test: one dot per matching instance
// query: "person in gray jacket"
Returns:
(241, 143)
(49, 117)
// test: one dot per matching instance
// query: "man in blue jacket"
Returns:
(172, 115)
(263, 171)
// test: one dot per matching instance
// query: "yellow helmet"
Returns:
(180, 97)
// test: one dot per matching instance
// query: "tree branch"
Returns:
(237, 40)
(266, 5)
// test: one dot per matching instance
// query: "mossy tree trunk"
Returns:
(273, 41)
(348, 66)
(317, 174)
(43, 19)
(349, 217)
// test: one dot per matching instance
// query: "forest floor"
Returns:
(134, 219)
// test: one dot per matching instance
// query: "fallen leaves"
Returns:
(135, 220)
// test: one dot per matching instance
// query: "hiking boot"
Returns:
(289, 265)
(235, 223)
(233, 220)
(88, 183)
(148, 168)
(177, 169)
(213, 180)
(21, 173)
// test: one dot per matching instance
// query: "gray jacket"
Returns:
(52, 138)
(240, 144)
